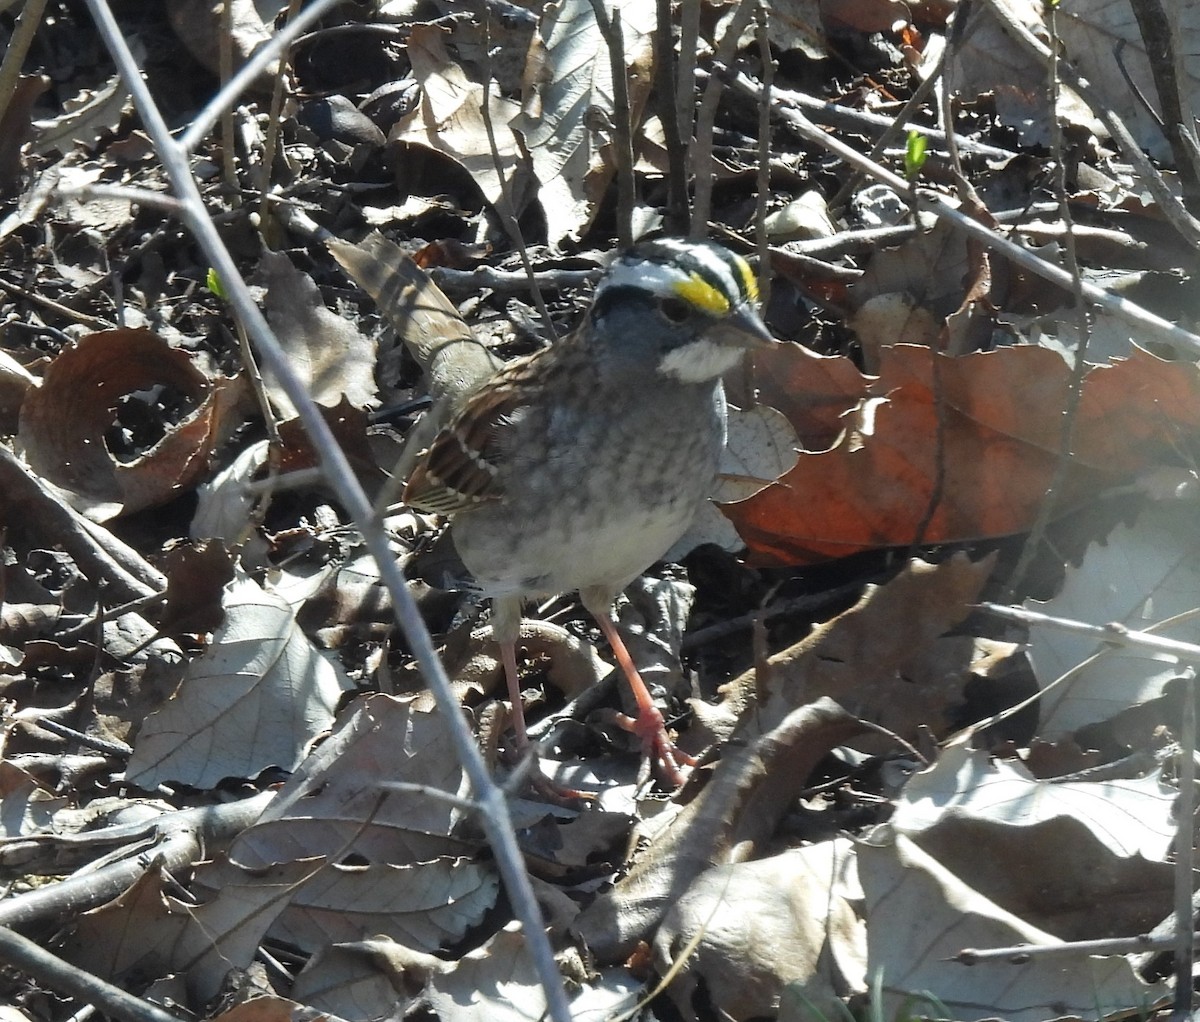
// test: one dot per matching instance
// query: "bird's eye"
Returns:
(676, 310)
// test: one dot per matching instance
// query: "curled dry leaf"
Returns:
(751, 788)
(326, 351)
(998, 416)
(751, 933)
(887, 659)
(450, 119)
(994, 824)
(64, 422)
(919, 916)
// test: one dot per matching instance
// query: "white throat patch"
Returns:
(700, 361)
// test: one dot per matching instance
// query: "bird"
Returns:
(578, 467)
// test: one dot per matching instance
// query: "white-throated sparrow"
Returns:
(580, 466)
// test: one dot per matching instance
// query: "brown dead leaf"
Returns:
(450, 119)
(196, 576)
(814, 391)
(325, 349)
(64, 422)
(349, 427)
(885, 659)
(750, 790)
(750, 933)
(881, 485)
(198, 25)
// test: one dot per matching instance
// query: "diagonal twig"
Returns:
(496, 822)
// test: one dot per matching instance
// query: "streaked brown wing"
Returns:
(460, 468)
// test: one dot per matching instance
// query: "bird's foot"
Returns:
(672, 762)
(523, 760)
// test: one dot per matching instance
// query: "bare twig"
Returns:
(18, 46)
(65, 978)
(685, 84)
(1170, 206)
(701, 149)
(675, 219)
(263, 57)
(1185, 853)
(1082, 324)
(622, 120)
(1161, 41)
(1114, 633)
(763, 181)
(496, 822)
(225, 67)
(184, 837)
(865, 122)
(489, 278)
(1019, 954)
(506, 208)
(1144, 321)
(274, 123)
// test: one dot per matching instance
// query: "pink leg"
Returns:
(508, 657)
(648, 725)
(506, 629)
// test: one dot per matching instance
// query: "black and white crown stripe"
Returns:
(661, 265)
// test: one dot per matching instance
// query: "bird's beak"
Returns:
(743, 328)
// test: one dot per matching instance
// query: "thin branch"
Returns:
(489, 278)
(701, 149)
(622, 120)
(184, 837)
(1113, 633)
(1185, 853)
(1169, 205)
(18, 46)
(496, 822)
(685, 81)
(274, 124)
(762, 185)
(1020, 954)
(863, 121)
(1145, 322)
(666, 70)
(262, 58)
(506, 208)
(1161, 40)
(1083, 326)
(225, 69)
(65, 978)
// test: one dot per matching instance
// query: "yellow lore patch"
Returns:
(699, 292)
